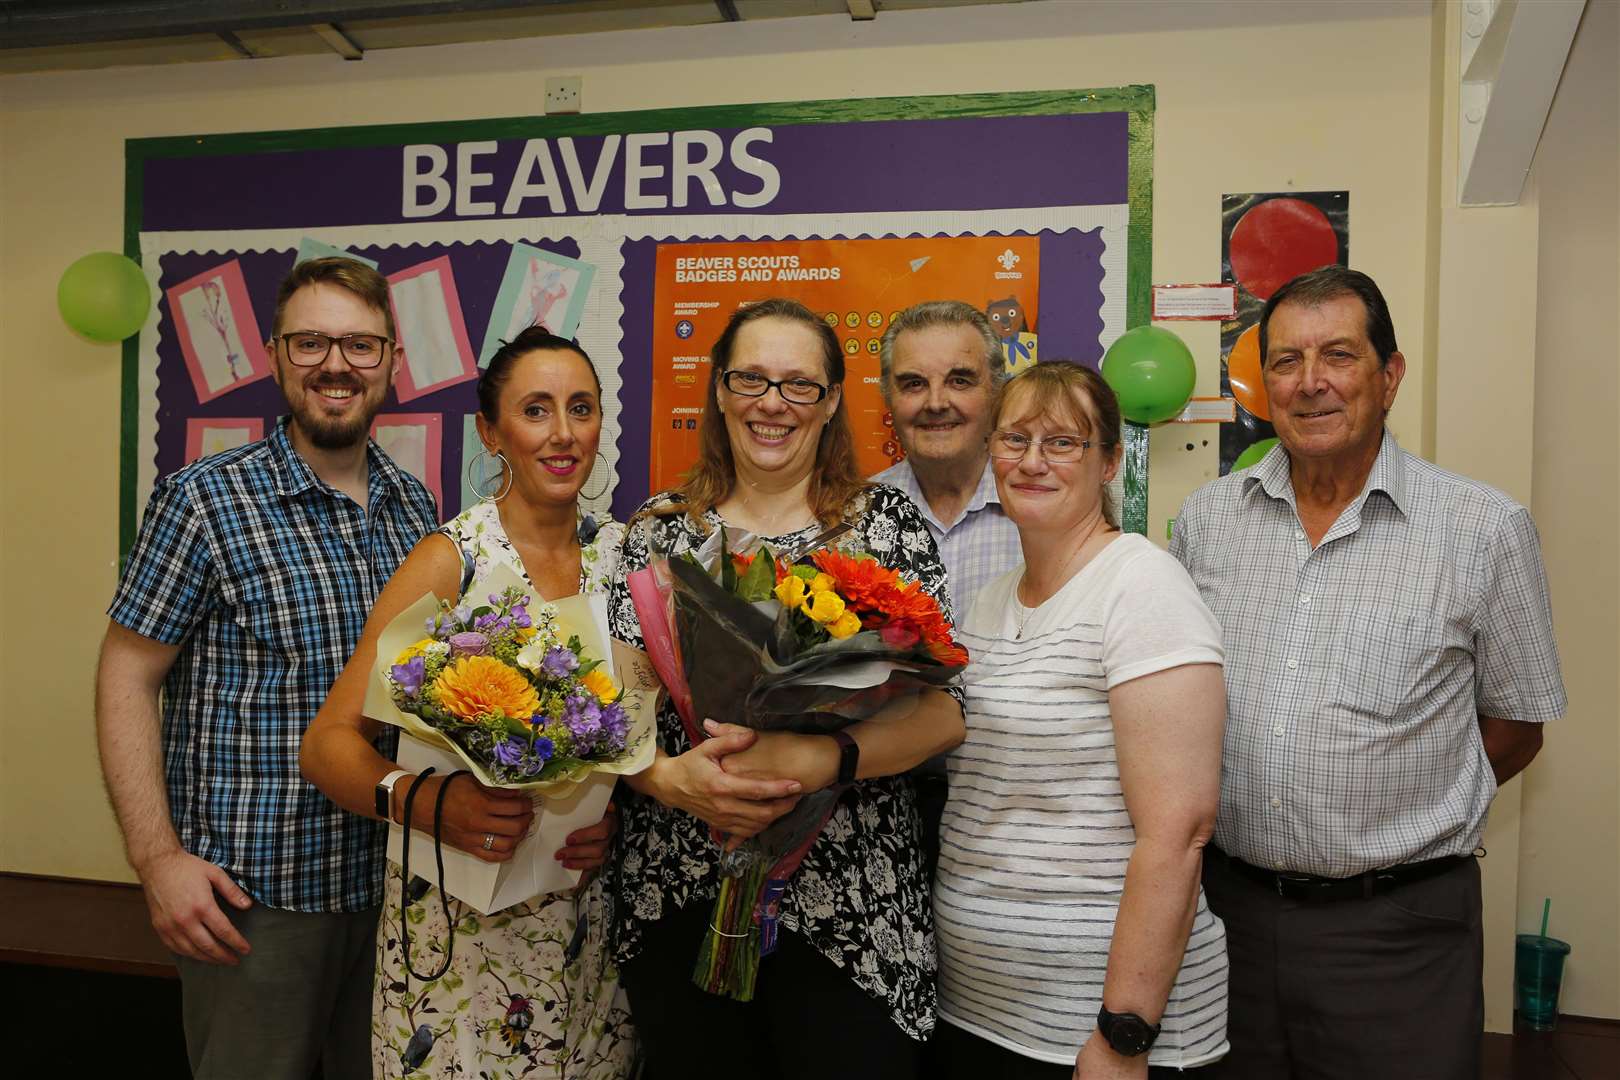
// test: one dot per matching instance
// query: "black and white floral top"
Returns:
(860, 897)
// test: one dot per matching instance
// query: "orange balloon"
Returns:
(1243, 372)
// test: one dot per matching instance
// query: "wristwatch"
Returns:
(1127, 1033)
(849, 756)
(385, 794)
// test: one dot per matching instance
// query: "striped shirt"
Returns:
(265, 576)
(977, 547)
(1036, 834)
(1357, 670)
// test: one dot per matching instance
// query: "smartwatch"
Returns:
(849, 756)
(385, 794)
(1127, 1033)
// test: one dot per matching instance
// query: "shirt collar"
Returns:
(293, 475)
(905, 478)
(1388, 474)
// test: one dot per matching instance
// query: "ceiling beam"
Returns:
(340, 42)
(861, 10)
(37, 23)
(237, 45)
(1513, 54)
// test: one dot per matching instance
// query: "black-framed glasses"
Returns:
(1013, 445)
(753, 384)
(310, 348)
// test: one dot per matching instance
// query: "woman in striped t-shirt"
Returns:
(1072, 930)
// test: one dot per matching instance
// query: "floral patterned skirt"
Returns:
(508, 1006)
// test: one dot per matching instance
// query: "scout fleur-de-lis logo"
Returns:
(1007, 259)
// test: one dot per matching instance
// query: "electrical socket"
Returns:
(563, 94)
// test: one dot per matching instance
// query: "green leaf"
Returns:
(759, 579)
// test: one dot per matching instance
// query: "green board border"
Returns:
(1137, 102)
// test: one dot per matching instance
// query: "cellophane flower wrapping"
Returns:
(741, 636)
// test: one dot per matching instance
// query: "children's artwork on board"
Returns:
(432, 333)
(413, 440)
(539, 288)
(207, 435)
(219, 336)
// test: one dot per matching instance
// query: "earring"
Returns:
(477, 481)
(607, 481)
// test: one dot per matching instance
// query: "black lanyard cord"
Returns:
(405, 874)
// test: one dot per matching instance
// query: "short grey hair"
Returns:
(931, 313)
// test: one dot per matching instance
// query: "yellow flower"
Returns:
(847, 623)
(413, 650)
(524, 633)
(822, 583)
(825, 607)
(790, 591)
(598, 683)
(477, 686)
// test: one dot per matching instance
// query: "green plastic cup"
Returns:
(1538, 972)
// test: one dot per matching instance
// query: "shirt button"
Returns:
(1298, 535)
(1277, 731)
(1275, 802)
(1292, 663)
(1303, 600)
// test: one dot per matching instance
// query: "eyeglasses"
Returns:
(753, 384)
(1013, 445)
(310, 348)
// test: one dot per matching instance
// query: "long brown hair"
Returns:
(835, 479)
(1069, 393)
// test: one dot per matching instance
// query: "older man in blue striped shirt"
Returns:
(241, 601)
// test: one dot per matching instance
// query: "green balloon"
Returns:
(104, 296)
(1253, 453)
(1152, 372)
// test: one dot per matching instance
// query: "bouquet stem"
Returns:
(728, 962)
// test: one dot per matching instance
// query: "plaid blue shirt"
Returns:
(266, 575)
(977, 547)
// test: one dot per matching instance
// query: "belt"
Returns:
(1310, 888)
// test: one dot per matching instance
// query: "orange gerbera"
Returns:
(477, 686)
(884, 599)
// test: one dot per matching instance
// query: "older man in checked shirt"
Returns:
(941, 365)
(1390, 662)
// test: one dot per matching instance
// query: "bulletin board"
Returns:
(636, 234)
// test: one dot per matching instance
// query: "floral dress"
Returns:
(860, 897)
(508, 1006)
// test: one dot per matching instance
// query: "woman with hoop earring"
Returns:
(515, 1001)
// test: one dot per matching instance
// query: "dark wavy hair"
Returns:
(836, 478)
(1329, 283)
(534, 339)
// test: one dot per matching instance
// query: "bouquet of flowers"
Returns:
(522, 699)
(776, 642)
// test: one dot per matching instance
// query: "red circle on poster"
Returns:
(1278, 240)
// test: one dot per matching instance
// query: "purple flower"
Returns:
(462, 614)
(517, 755)
(408, 676)
(468, 643)
(486, 622)
(615, 727)
(432, 626)
(520, 618)
(544, 748)
(582, 716)
(559, 662)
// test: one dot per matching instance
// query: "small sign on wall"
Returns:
(1194, 302)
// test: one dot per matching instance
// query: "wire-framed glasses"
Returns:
(1013, 445)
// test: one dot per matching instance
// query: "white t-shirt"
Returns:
(1036, 837)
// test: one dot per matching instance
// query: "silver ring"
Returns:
(489, 841)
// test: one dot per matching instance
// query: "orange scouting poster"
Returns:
(857, 286)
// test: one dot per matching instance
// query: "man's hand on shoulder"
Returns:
(180, 890)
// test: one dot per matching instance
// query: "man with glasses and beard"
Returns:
(941, 364)
(241, 601)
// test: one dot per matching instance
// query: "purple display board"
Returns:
(473, 221)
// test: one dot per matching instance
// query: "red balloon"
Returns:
(1278, 240)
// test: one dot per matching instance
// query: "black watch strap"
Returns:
(849, 756)
(1127, 1033)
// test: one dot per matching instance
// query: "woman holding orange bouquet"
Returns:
(512, 1003)
(850, 990)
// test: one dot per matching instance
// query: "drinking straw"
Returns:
(1546, 910)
